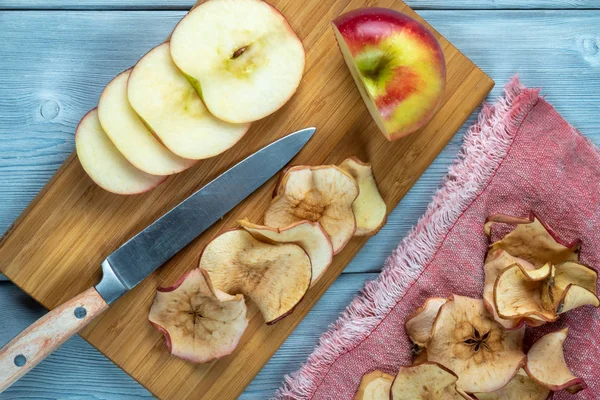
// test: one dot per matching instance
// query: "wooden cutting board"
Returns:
(54, 249)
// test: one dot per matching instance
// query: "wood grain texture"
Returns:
(31, 149)
(185, 4)
(46, 334)
(78, 224)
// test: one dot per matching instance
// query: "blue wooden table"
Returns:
(51, 73)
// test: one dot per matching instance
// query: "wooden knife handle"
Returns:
(45, 335)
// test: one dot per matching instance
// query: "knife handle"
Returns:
(46, 334)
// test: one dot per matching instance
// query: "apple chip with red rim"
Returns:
(532, 241)
(467, 340)
(200, 323)
(309, 235)
(374, 385)
(418, 325)
(428, 380)
(521, 387)
(496, 262)
(321, 194)
(369, 208)
(546, 364)
(541, 294)
(274, 276)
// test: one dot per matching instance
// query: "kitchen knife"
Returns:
(141, 255)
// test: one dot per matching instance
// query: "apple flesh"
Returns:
(104, 164)
(242, 56)
(397, 64)
(168, 103)
(129, 134)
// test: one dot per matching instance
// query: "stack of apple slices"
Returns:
(313, 214)
(228, 63)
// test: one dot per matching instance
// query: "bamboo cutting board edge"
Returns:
(267, 339)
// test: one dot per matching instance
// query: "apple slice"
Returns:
(321, 194)
(521, 387)
(369, 208)
(200, 323)
(129, 134)
(308, 235)
(374, 385)
(418, 325)
(546, 364)
(274, 276)
(104, 164)
(428, 380)
(242, 56)
(397, 64)
(168, 103)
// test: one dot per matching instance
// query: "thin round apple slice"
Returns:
(521, 387)
(168, 103)
(274, 276)
(321, 194)
(241, 55)
(309, 235)
(546, 364)
(428, 380)
(418, 325)
(129, 134)
(200, 323)
(374, 385)
(104, 164)
(369, 208)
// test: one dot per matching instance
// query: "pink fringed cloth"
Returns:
(520, 157)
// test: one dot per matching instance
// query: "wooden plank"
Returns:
(98, 378)
(55, 249)
(185, 4)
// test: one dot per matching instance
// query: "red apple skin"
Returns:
(366, 29)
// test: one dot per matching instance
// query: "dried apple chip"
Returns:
(521, 387)
(274, 276)
(374, 385)
(200, 323)
(542, 294)
(466, 339)
(496, 262)
(309, 235)
(369, 208)
(532, 241)
(418, 325)
(321, 194)
(546, 364)
(428, 380)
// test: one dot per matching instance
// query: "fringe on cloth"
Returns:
(485, 146)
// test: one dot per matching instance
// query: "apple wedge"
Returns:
(369, 208)
(129, 134)
(274, 276)
(309, 235)
(199, 322)
(374, 385)
(104, 164)
(242, 56)
(321, 194)
(397, 65)
(168, 103)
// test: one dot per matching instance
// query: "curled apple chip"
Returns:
(546, 364)
(274, 276)
(200, 323)
(369, 208)
(521, 387)
(496, 262)
(309, 235)
(428, 380)
(466, 339)
(532, 241)
(374, 385)
(418, 325)
(321, 194)
(543, 293)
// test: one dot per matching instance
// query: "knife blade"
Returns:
(145, 252)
